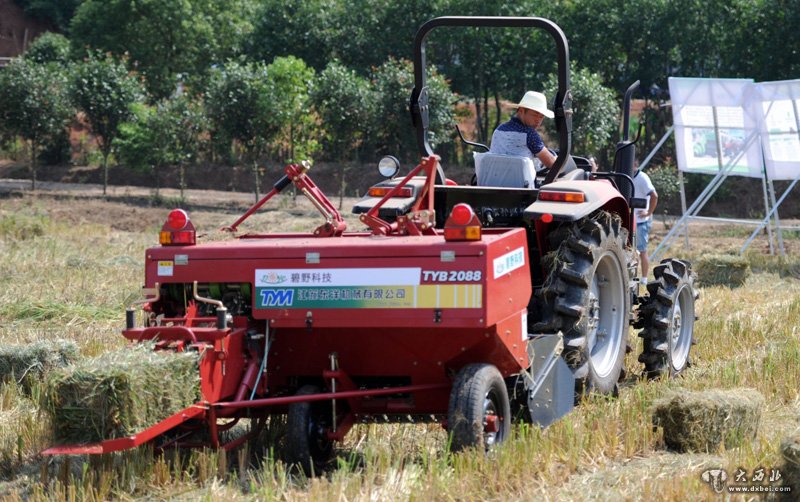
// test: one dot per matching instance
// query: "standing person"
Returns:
(518, 136)
(643, 189)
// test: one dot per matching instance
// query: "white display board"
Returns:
(716, 125)
(780, 136)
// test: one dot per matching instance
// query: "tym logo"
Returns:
(277, 297)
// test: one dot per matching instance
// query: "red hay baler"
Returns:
(470, 306)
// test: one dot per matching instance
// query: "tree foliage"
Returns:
(241, 105)
(57, 12)
(391, 131)
(164, 38)
(344, 102)
(34, 105)
(291, 81)
(49, 48)
(164, 135)
(177, 43)
(104, 91)
(595, 112)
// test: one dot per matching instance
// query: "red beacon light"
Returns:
(178, 230)
(462, 225)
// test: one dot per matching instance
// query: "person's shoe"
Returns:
(643, 281)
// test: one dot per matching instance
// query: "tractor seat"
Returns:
(497, 170)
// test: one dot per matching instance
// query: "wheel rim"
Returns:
(492, 422)
(681, 327)
(606, 315)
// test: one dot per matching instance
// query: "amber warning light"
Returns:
(382, 191)
(462, 225)
(177, 230)
(554, 196)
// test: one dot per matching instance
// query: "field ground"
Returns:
(72, 259)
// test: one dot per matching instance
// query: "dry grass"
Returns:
(72, 279)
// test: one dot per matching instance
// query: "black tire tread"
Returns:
(465, 410)
(298, 450)
(654, 315)
(568, 270)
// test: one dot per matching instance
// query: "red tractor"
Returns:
(471, 306)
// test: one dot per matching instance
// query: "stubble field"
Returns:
(72, 261)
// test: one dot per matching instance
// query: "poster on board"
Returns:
(780, 128)
(716, 126)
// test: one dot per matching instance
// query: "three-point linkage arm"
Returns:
(296, 174)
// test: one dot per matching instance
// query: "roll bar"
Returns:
(419, 105)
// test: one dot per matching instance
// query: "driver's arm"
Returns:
(547, 158)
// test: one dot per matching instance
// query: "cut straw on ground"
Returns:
(25, 363)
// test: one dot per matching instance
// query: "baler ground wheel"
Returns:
(667, 316)
(307, 445)
(479, 413)
(586, 297)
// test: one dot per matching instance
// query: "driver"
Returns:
(518, 136)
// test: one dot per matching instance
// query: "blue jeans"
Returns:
(643, 235)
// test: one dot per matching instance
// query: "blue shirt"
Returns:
(515, 138)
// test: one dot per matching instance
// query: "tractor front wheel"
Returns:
(667, 315)
(479, 413)
(586, 297)
(307, 444)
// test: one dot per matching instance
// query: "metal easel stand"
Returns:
(682, 225)
(765, 221)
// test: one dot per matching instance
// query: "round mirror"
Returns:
(388, 166)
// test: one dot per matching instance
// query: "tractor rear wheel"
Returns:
(307, 444)
(667, 316)
(586, 296)
(479, 413)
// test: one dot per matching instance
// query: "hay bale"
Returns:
(722, 270)
(790, 469)
(26, 363)
(120, 393)
(702, 421)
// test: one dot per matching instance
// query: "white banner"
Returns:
(294, 277)
(716, 124)
(780, 136)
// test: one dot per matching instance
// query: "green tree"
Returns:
(140, 144)
(300, 28)
(58, 12)
(49, 48)
(595, 111)
(33, 105)
(241, 105)
(104, 91)
(164, 38)
(291, 80)
(391, 131)
(344, 103)
(167, 134)
(182, 122)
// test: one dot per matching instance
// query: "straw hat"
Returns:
(536, 101)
